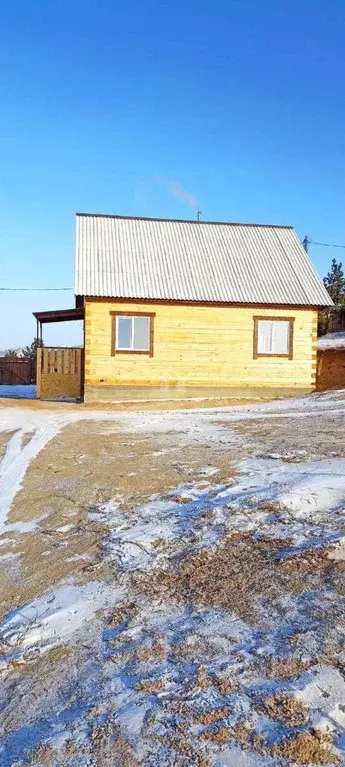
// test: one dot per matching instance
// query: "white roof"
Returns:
(332, 341)
(146, 258)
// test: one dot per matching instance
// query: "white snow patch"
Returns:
(304, 488)
(323, 692)
(58, 740)
(9, 556)
(139, 540)
(80, 557)
(337, 553)
(131, 719)
(55, 617)
(320, 488)
(65, 528)
(208, 471)
(332, 341)
(15, 463)
(234, 756)
(25, 527)
(18, 392)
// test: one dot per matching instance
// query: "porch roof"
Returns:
(60, 315)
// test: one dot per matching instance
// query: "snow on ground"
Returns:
(55, 618)
(194, 426)
(18, 392)
(219, 639)
(304, 504)
(323, 692)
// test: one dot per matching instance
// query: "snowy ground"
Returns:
(18, 392)
(207, 626)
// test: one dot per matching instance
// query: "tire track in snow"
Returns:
(16, 462)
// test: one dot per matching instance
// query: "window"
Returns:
(273, 337)
(132, 333)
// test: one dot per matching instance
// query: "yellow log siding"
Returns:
(199, 346)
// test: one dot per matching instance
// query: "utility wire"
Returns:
(326, 244)
(34, 289)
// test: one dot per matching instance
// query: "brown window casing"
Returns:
(114, 350)
(290, 320)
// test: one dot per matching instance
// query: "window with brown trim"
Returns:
(273, 337)
(132, 333)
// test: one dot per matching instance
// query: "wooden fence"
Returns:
(16, 372)
(331, 320)
(60, 373)
(330, 371)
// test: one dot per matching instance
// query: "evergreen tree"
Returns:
(30, 351)
(334, 282)
(11, 354)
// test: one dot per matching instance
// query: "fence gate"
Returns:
(60, 373)
(17, 372)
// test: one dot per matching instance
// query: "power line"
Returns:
(326, 244)
(35, 289)
(308, 241)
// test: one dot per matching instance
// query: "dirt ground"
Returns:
(191, 404)
(85, 465)
(221, 604)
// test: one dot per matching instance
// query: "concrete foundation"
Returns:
(104, 393)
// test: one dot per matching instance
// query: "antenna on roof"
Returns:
(198, 215)
(305, 243)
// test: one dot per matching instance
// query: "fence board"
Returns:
(19, 371)
(60, 372)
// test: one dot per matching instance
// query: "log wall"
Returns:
(196, 346)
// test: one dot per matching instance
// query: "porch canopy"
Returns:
(57, 315)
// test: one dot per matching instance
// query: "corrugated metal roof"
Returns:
(145, 258)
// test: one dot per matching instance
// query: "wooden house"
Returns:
(189, 309)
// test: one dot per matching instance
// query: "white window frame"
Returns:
(289, 353)
(116, 316)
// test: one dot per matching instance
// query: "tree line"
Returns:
(28, 352)
(334, 283)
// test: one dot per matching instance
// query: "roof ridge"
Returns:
(184, 220)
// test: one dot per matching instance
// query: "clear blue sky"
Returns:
(103, 104)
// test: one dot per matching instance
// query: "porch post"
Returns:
(39, 331)
(38, 372)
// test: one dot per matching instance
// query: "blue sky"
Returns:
(104, 104)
